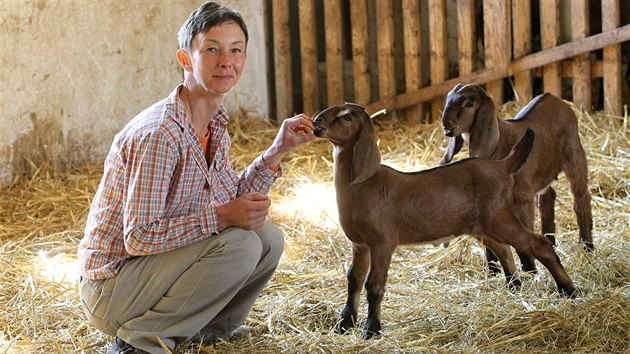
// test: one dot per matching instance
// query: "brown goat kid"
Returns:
(381, 208)
(470, 115)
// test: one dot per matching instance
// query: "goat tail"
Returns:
(520, 152)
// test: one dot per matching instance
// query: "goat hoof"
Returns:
(569, 292)
(513, 283)
(494, 268)
(372, 328)
(344, 326)
(589, 246)
(369, 335)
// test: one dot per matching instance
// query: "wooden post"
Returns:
(413, 42)
(385, 48)
(437, 43)
(581, 63)
(497, 43)
(466, 36)
(522, 30)
(612, 59)
(360, 51)
(334, 53)
(308, 50)
(550, 32)
(282, 59)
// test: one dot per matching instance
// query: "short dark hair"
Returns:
(205, 17)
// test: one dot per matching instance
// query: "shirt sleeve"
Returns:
(152, 160)
(257, 177)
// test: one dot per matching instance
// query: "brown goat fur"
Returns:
(470, 115)
(381, 208)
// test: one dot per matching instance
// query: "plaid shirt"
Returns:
(158, 191)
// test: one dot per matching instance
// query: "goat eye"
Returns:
(469, 104)
(347, 117)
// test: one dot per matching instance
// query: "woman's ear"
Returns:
(183, 57)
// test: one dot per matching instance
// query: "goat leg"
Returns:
(525, 210)
(491, 261)
(356, 277)
(582, 208)
(577, 174)
(546, 205)
(540, 247)
(504, 254)
(375, 286)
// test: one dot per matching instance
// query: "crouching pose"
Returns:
(176, 243)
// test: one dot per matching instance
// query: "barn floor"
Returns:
(437, 300)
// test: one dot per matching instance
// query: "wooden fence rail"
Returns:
(405, 55)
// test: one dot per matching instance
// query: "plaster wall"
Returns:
(74, 72)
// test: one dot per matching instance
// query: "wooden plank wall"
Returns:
(362, 48)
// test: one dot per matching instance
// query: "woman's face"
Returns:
(218, 57)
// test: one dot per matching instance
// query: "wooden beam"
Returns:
(497, 43)
(434, 91)
(550, 33)
(334, 53)
(439, 59)
(466, 36)
(612, 59)
(522, 31)
(360, 50)
(385, 48)
(308, 50)
(412, 36)
(532, 61)
(581, 63)
(568, 50)
(282, 60)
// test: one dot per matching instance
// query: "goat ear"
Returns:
(484, 136)
(366, 156)
(454, 146)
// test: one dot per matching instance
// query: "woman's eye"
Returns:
(211, 49)
(237, 50)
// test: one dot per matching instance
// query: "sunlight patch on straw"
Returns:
(60, 268)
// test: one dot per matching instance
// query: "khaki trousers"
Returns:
(202, 289)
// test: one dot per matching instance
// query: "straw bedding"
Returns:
(437, 300)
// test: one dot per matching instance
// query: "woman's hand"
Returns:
(293, 132)
(248, 211)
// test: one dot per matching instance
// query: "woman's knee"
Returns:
(272, 240)
(243, 244)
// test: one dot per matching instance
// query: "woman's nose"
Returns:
(224, 59)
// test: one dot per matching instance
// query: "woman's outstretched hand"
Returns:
(293, 132)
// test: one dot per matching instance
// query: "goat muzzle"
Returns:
(449, 132)
(319, 131)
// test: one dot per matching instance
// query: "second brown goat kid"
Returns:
(470, 115)
(381, 208)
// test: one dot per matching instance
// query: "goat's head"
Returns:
(349, 126)
(464, 103)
